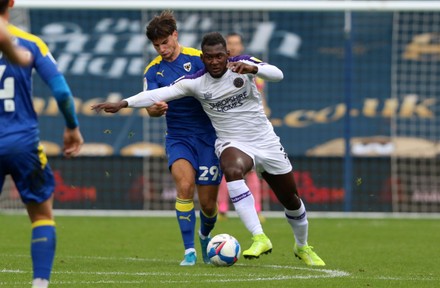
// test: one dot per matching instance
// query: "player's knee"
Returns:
(233, 173)
(185, 190)
(209, 208)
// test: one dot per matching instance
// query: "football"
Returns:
(223, 250)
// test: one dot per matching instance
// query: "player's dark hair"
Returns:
(212, 39)
(161, 26)
(4, 5)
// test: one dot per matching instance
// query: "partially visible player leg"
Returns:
(235, 164)
(223, 200)
(284, 187)
(254, 184)
(208, 215)
(35, 183)
(43, 241)
(208, 179)
(183, 175)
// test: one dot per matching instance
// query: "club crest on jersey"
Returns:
(207, 95)
(238, 82)
(187, 66)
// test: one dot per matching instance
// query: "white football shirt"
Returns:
(232, 101)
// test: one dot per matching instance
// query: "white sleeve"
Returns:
(269, 72)
(148, 98)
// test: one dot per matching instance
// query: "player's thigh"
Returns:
(208, 171)
(32, 175)
(193, 160)
(236, 158)
(272, 159)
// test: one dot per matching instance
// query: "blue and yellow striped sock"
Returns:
(43, 248)
(207, 223)
(186, 216)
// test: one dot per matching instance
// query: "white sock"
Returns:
(245, 205)
(40, 283)
(300, 226)
(189, 250)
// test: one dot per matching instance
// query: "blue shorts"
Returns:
(31, 173)
(199, 150)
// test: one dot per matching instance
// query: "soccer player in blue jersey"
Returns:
(21, 154)
(190, 136)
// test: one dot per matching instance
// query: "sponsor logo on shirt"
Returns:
(229, 103)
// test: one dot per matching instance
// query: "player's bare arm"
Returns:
(109, 107)
(158, 109)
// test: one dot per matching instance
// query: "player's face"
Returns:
(215, 59)
(167, 47)
(234, 44)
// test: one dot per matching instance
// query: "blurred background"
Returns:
(357, 111)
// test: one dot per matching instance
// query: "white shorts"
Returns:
(268, 154)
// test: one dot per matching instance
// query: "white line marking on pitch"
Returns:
(315, 273)
(320, 273)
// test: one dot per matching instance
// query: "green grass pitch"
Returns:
(146, 251)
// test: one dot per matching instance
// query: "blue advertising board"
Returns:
(103, 55)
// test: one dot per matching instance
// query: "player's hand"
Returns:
(73, 141)
(158, 109)
(242, 68)
(109, 107)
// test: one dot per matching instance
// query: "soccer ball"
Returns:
(223, 250)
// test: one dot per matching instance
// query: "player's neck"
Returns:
(5, 17)
(176, 54)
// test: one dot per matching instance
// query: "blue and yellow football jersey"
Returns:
(18, 119)
(185, 116)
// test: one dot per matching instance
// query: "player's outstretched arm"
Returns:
(110, 107)
(73, 141)
(144, 99)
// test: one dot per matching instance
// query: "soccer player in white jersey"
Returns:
(245, 137)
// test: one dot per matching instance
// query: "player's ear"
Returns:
(11, 3)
